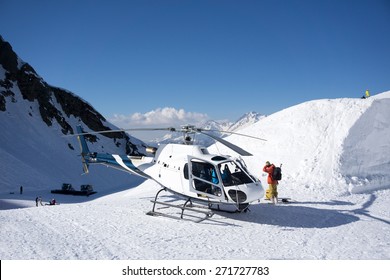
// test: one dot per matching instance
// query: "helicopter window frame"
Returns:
(202, 179)
(218, 158)
(202, 170)
(243, 166)
(235, 175)
(186, 172)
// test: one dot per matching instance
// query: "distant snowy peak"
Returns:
(216, 125)
(246, 120)
(225, 125)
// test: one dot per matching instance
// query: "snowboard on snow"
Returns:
(282, 199)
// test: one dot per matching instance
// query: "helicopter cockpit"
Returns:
(205, 178)
(217, 176)
(234, 173)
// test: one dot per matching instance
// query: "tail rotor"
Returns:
(84, 149)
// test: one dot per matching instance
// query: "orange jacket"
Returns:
(270, 170)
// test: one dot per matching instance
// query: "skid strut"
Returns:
(155, 199)
(188, 205)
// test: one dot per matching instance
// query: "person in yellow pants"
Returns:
(272, 192)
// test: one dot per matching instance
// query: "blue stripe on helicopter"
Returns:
(120, 162)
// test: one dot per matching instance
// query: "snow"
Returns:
(116, 227)
(335, 156)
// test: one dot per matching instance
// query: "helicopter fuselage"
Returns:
(188, 170)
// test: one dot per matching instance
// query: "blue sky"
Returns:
(214, 59)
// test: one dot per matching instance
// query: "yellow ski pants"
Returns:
(272, 191)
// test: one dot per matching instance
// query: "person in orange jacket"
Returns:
(272, 192)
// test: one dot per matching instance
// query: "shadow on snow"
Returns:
(300, 215)
(292, 216)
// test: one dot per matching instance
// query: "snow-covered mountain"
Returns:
(335, 155)
(34, 118)
(332, 146)
(217, 128)
(245, 121)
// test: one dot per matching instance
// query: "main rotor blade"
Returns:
(229, 132)
(227, 144)
(121, 130)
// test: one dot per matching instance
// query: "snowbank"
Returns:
(326, 146)
(365, 162)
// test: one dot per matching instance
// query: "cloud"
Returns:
(159, 117)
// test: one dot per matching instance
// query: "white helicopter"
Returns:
(221, 182)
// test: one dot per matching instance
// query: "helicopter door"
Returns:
(205, 178)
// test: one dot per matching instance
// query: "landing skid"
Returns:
(187, 206)
(230, 208)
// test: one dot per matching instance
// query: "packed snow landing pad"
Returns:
(116, 227)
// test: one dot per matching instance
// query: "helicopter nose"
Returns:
(255, 191)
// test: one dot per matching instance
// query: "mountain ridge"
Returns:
(35, 117)
(22, 77)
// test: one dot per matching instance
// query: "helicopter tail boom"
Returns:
(115, 161)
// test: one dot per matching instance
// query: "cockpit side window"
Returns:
(205, 177)
(232, 174)
(205, 171)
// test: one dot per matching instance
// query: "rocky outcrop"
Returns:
(55, 104)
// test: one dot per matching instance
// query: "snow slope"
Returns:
(38, 156)
(327, 147)
(338, 181)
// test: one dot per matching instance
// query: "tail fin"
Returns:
(84, 148)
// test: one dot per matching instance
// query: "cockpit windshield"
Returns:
(233, 174)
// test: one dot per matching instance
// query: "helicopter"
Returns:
(217, 182)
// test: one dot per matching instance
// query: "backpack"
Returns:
(277, 173)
